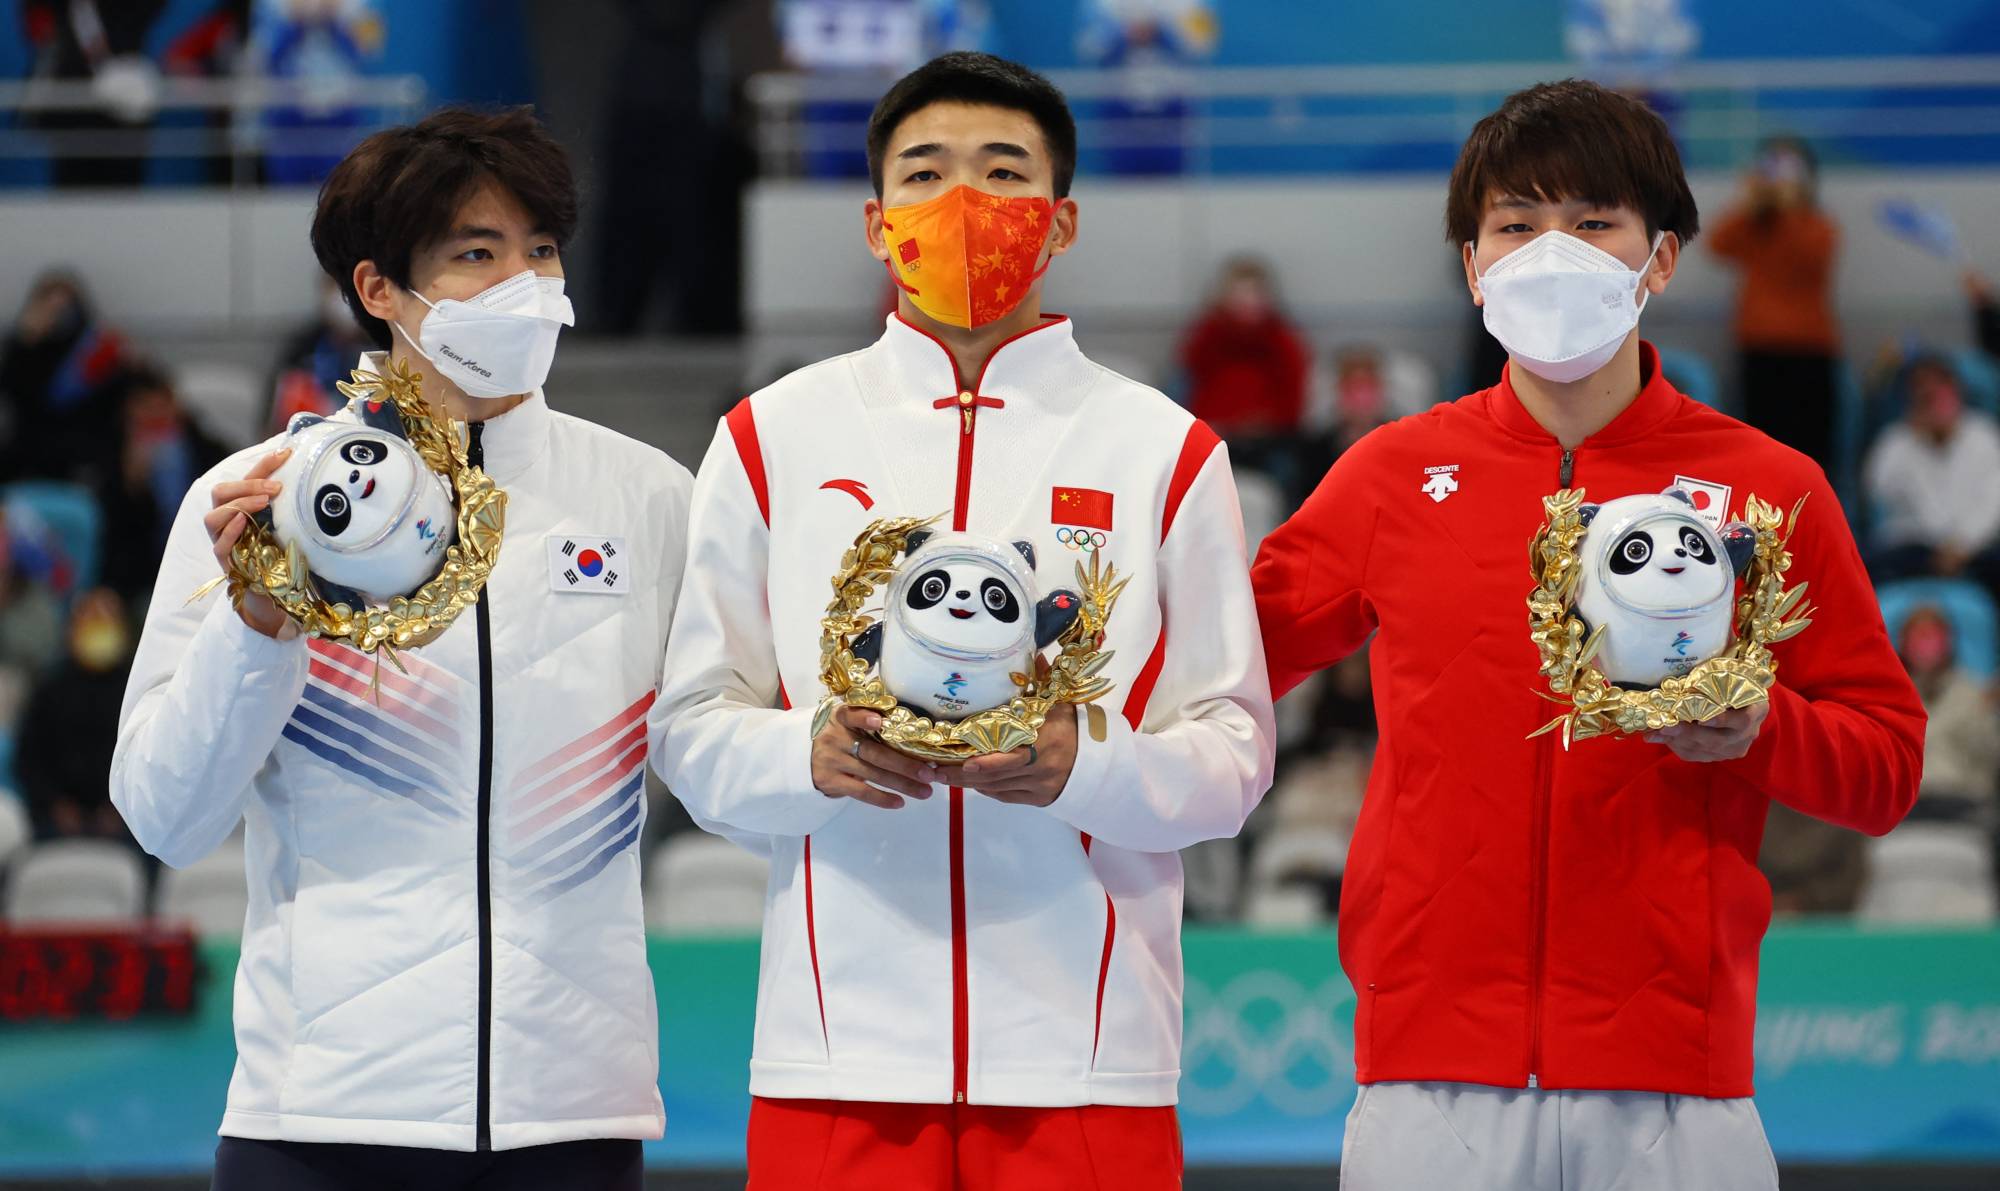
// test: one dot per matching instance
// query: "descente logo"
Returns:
(444, 349)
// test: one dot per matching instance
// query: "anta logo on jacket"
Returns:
(1515, 914)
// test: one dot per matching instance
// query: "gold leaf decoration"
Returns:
(1741, 675)
(1073, 677)
(260, 564)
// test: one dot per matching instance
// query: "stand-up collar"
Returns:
(1041, 366)
(511, 442)
(1657, 401)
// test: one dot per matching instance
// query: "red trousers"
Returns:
(838, 1145)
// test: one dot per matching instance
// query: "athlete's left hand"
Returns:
(1029, 776)
(1724, 738)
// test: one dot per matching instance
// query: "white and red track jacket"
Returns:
(960, 949)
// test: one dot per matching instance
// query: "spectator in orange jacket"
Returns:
(1787, 340)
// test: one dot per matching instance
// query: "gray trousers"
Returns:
(1469, 1137)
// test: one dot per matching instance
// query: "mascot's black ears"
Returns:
(1586, 514)
(914, 540)
(1739, 541)
(1027, 550)
(1057, 611)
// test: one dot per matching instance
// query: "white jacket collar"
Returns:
(511, 442)
(1040, 367)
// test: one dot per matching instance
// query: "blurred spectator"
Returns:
(1360, 395)
(1962, 741)
(101, 43)
(1785, 331)
(323, 46)
(1247, 367)
(30, 623)
(70, 726)
(211, 47)
(1939, 865)
(1813, 866)
(54, 373)
(317, 357)
(160, 451)
(1933, 483)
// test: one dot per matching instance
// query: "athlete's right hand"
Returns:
(233, 503)
(845, 759)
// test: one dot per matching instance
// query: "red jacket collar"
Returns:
(1657, 401)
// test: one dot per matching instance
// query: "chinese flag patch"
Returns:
(1088, 507)
(908, 251)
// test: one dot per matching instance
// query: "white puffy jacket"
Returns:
(960, 949)
(445, 946)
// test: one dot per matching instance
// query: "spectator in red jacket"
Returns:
(1247, 369)
(1246, 363)
(1555, 949)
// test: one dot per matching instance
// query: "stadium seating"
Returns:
(702, 884)
(1963, 602)
(76, 880)
(14, 828)
(210, 894)
(1930, 873)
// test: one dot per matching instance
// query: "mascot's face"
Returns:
(1659, 580)
(1664, 563)
(966, 604)
(364, 509)
(359, 487)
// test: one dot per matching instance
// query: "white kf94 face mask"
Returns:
(500, 341)
(1561, 306)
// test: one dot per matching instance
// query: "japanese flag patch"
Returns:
(588, 564)
(1711, 500)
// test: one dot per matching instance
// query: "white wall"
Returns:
(1355, 258)
(163, 262)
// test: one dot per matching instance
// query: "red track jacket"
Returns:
(1518, 915)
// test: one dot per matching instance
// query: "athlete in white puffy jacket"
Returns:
(443, 979)
(971, 976)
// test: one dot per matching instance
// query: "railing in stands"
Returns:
(1904, 110)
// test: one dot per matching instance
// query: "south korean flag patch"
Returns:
(588, 564)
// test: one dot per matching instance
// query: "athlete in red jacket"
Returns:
(1555, 951)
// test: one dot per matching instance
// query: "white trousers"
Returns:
(1469, 1137)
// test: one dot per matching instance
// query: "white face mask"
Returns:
(1560, 306)
(500, 341)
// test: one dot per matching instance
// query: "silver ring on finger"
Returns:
(856, 750)
(1033, 755)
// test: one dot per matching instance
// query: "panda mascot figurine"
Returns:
(961, 620)
(370, 518)
(1663, 580)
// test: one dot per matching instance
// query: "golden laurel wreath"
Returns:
(1740, 676)
(260, 564)
(1072, 678)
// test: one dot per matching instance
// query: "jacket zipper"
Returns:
(475, 454)
(1539, 898)
(961, 1003)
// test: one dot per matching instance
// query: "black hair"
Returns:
(965, 77)
(1572, 140)
(398, 192)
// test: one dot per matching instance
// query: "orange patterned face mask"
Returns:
(966, 257)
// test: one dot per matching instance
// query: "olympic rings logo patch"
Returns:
(1087, 540)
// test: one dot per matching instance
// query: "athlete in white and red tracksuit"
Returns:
(1555, 950)
(974, 982)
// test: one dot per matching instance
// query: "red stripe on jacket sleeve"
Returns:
(1199, 444)
(743, 429)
